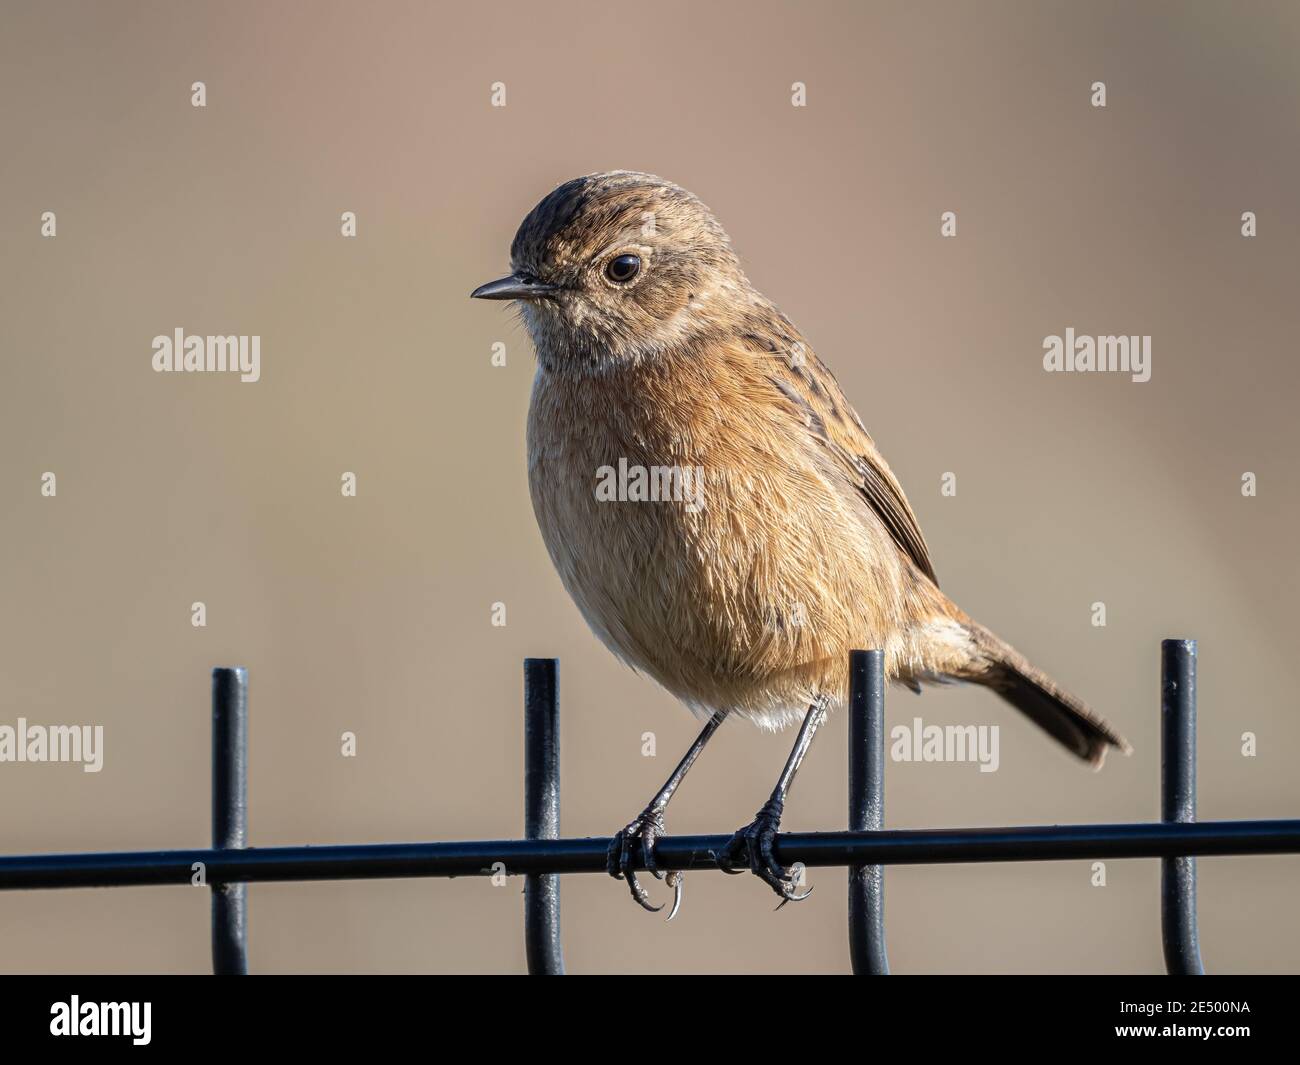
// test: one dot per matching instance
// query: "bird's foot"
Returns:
(644, 829)
(751, 848)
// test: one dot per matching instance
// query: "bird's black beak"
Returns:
(513, 287)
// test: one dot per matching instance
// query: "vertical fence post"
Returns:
(1178, 804)
(542, 812)
(229, 815)
(867, 809)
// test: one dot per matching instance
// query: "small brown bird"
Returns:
(712, 502)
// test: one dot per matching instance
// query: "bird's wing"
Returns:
(816, 400)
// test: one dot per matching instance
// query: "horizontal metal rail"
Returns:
(541, 857)
(373, 861)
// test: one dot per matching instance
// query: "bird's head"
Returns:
(616, 267)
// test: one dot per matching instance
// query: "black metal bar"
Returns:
(374, 861)
(1178, 805)
(229, 816)
(867, 809)
(542, 943)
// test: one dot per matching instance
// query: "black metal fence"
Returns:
(542, 856)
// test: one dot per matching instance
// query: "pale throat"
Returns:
(589, 343)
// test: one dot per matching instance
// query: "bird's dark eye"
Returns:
(623, 268)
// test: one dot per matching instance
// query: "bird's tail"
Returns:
(1038, 697)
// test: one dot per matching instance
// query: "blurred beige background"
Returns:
(373, 614)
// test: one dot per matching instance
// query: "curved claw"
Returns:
(676, 880)
(619, 860)
(794, 898)
(639, 895)
(618, 864)
(757, 840)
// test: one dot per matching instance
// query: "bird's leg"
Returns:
(649, 825)
(752, 845)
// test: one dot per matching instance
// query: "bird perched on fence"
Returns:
(752, 535)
